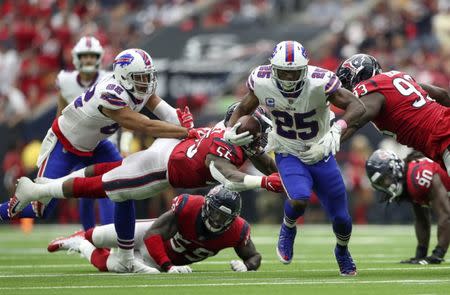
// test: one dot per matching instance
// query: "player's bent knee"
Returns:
(342, 220)
(299, 204)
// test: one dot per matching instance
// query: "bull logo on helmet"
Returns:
(124, 60)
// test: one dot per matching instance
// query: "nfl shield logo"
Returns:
(270, 102)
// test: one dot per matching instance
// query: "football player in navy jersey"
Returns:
(194, 229)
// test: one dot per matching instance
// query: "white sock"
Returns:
(86, 249)
(126, 254)
(78, 173)
(446, 158)
(52, 189)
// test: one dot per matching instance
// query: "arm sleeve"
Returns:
(178, 203)
(333, 83)
(166, 112)
(244, 235)
(155, 248)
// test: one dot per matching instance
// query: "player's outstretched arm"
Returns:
(247, 106)
(135, 121)
(437, 93)
(163, 228)
(164, 111)
(373, 103)
(264, 163)
(353, 106)
(251, 259)
(227, 174)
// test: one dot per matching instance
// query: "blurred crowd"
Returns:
(36, 39)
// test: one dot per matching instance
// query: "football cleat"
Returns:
(71, 243)
(22, 197)
(345, 261)
(285, 248)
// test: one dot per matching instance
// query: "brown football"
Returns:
(250, 124)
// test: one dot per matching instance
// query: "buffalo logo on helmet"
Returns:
(124, 60)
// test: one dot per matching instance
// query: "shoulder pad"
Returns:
(179, 202)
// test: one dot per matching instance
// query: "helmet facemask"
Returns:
(390, 179)
(143, 83)
(88, 68)
(290, 79)
(218, 218)
(220, 209)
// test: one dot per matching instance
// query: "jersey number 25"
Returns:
(285, 125)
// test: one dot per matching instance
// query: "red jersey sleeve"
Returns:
(365, 87)
(232, 153)
(178, 203)
(244, 234)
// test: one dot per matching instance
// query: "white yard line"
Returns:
(412, 268)
(263, 283)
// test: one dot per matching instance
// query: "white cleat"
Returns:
(25, 193)
(70, 243)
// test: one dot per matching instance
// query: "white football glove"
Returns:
(243, 138)
(180, 269)
(314, 154)
(332, 139)
(238, 266)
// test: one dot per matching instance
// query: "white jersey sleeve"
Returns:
(84, 125)
(301, 117)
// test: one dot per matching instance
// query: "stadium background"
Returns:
(204, 50)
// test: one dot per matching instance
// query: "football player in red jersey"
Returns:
(423, 183)
(167, 162)
(194, 229)
(417, 115)
(189, 163)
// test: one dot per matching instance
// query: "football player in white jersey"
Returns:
(79, 135)
(86, 57)
(298, 96)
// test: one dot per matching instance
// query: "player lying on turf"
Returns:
(167, 162)
(423, 183)
(194, 229)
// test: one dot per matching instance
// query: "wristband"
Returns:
(253, 181)
(342, 124)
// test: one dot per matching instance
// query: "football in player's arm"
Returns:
(194, 229)
(425, 184)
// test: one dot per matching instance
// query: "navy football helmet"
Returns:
(357, 68)
(386, 173)
(221, 208)
(258, 144)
